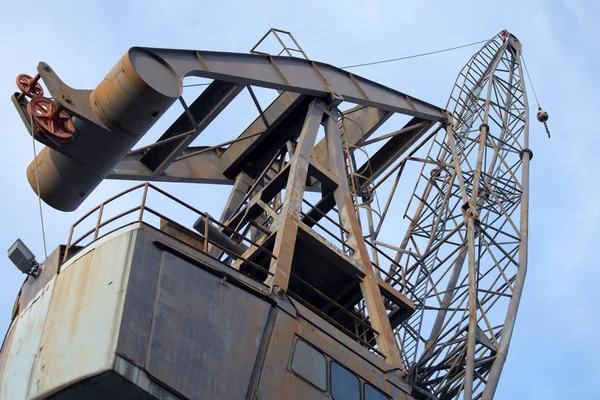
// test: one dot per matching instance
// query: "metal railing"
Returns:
(363, 328)
(142, 210)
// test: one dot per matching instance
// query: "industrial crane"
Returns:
(347, 263)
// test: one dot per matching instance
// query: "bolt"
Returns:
(279, 292)
(47, 68)
(67, 98)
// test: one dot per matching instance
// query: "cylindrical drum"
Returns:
(130, 99)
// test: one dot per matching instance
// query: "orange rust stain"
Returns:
(6, 349)
(82, 270)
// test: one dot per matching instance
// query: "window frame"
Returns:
(364, 393)
(362, 383)
(325, 357)
(358, 378)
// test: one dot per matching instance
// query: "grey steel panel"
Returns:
(205, 333)
(138, 309)
(285, 73)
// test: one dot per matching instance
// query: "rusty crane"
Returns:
(309, 285)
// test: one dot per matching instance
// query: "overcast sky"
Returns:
(553, 354)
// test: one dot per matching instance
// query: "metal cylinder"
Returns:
(228, 245)
(130, 99)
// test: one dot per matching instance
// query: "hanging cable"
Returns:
(542, 115)
(37, 182)
(196, 84)
(385, 61)
(415, 55)
(531, 82)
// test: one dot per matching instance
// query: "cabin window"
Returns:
(344, 384)
(373, 394)
(310, 364)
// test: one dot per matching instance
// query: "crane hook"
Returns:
(542, 116)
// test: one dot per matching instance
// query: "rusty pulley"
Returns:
(49, 119)
(29, 86)
(542, 116)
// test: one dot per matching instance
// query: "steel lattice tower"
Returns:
(464, 255)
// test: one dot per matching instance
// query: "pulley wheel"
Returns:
(49, 120)
(28, 87)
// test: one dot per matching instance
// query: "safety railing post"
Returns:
(68, 243)
(99, 221)
(206, 233)
(143, 205)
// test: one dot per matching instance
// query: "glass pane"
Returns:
(310, 364)
(373, 394)
(344, 384)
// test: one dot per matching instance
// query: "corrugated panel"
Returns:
(83, 319)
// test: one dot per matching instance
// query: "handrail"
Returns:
(102, 220)
(143, 208)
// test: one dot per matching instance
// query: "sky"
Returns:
(553, 342)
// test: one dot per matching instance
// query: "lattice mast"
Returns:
(464, 255)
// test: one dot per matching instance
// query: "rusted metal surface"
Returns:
(214, 239)
(145, 82)
(49, 120)
(358, 124)
(360, 304)
(22, 350)
(114, 386)
(192, 357)
(278, 381)
(369, 287)
(148, 315)
(288, 74)
(138, 308)
(81, 325)
(292, 205)
(5, 352)
(120, 110)
(31, 287)
(285, 116)
(185, 236)
(147, 387)
(29, 86)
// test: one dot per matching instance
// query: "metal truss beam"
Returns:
(287, 74)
